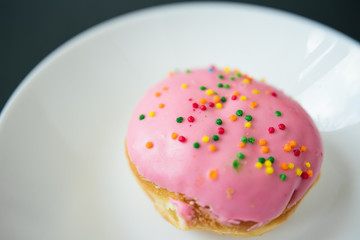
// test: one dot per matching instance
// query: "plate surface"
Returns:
(63, 170)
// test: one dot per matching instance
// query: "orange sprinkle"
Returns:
(265, 149)
(174, 135)
(303, 148)
(171, 74)
(165, 88)
(233, 117)
(161, 105)
(213, 174)
(202, 100)
(242, 145)
(236, 93)
(253, 104)
(287, 148)
(284, 166)
(157, 94)
(292, 144)
(262, 142)
(229, 193)
(216, 99)
(212, 148)
(309, 172)
(149, 145)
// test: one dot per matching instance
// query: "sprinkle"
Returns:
(298, 172)
(236, 93)
(202, 88)
(304, 175)
(271, 130)
(165, 88)
(255, 91)
(268, 163)
(220, 85)
(211, 104)
(205, 139)
(149, 145)
(157, 94)
(229, 192)
(184, 85)
(278, 113)
(307, 164)
(218, 121)
(142, 116)
(246, 81)
(233, 97)
(263, 80)
(258, 165)
(227, 86)
(265, 149)
(215, 137)
(211, 69)
(303, 148)
(191, 119)
(291, 165)
(220, 76)
(212, 148)
(226, 69)
(283, 177)
(274, 94)
(216, 99)
(269, 170)
(171, 74)
(218, 105)
(247, 124)
(239, 113)
(223, 99)
(261, 160)
(296, 152)
(209, 92)
(179, 119)
(287, 148)
(182, 139)
(262, 142)
(195, 105)
(151, 114)
(196, 145)
(240, 155)
(292, 144)
(248, 118)
(202, 100)
(188, 71)
(233, 118)
(251, 140)
(203, 107)
(236, 164)
(284, 166)
(213, 174)
(243, 98)
(238, 74)
(161, 105)
(242, 145)
(271, 159)
(221, 130)
(309, 172)
(253, 105)
(174, 135)
(244, 139)
(232, 78)
(281, 126)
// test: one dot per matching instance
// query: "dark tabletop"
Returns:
(31, 29)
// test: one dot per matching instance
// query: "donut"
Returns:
(219, 151)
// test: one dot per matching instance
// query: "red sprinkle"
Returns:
(221, 130)
(195, 105)
(182, 139)
(274, 94)
(296, 152)
(190, 99)
(305, 175)
(233, 97)
(211, 104)
(203, 107)
(282, 126)
(191, 119)
(271, 130)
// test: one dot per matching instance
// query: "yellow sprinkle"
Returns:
(298, 172)
(307, 164)
(212, 148)
(265, 149)
(218, 105)
(157, 94)
(253, 104)
(269, 170)
(243, 98)
(258, 165)
(161, 105)
(255, 91)
(226, 69)
(292, 144)
(164, 88)
(216, 99)
(213, 174)
(202, 100)
(268, 163)
(248, 124)
(149, 145)
(262, 142)
(209, 92)
(205, 139)
(174, 135)
(242, 145)
(303, 148)
(246, 81)
(151, 114)
(233, 117)
(263, 80)
(184, 85)
(236, 93)
(291, 165)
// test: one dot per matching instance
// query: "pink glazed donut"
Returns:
(216, 150)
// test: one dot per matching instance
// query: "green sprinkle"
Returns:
(202, 88)
(251, 140)
(180, 119)
(221, 76)
(271, 159)
(236, 164)
(220, 85)
(226, 86)
(244, 139)
(239, 113)
(232, 78)
(218, 121)
(142, 116)
(215, 138)
(223, 99)
(188, 71)
(278, 113)
(196, 145)
(248, 118)
(283, 177)
(261, 160)
(240, 155)
(238, 75)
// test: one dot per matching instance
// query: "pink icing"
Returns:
(184, 210)
(244, 194)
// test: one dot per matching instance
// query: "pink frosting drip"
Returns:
(246, 194)
(183, 209)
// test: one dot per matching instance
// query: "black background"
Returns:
(31, 29)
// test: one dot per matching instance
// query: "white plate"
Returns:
(63, 172)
